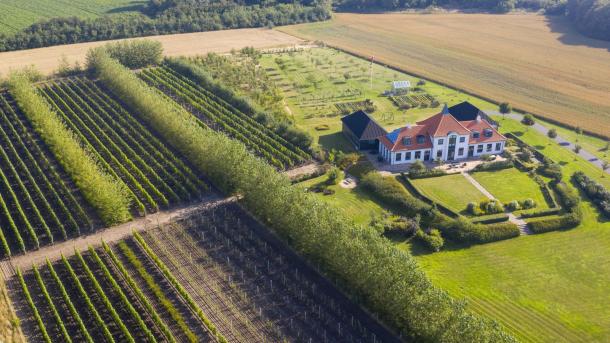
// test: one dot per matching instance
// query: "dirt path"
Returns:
(47, 59)
(302, 170)
(108, 235)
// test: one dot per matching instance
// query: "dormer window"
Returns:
(476, 134)
(406, 140)
(421, 139)
(488, 132)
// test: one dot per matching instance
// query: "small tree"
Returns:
(552, 133)
(578, 130)
(605, 166)
(607, 146)
(505, 108)
(347, 76)
(577, 148)
(528, 120)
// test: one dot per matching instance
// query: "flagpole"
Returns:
(371, 76)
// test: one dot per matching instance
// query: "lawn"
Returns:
(356, 203)
(511, 184)
(16, 15)
(453, 191)
(313, 81)
(538, 63)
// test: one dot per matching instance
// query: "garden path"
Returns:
(560, 140)
(521, 224)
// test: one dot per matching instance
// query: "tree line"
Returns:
(386, 280)
(166, 17)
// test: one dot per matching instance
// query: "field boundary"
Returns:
(379, 61)
(108, 235)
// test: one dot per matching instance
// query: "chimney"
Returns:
(478, 118)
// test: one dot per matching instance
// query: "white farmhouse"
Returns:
(441, 137)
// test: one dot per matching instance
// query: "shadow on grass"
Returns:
(335, 141)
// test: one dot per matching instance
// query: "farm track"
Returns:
(108, 235)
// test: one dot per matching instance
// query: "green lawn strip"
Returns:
(511, 184)
(453, 191)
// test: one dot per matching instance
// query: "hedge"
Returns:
(496, 165)
(365, 264)
(599, 195)
(490, 219)
(105, 193)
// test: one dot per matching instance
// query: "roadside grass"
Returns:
(511, 184)
(453, 191)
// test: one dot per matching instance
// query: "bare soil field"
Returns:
(47, 59)
(534, 62)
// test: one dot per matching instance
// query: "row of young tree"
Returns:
(386, 280)
(175, 17)
(106, 194)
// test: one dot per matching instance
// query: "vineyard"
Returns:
(154, 175)
(216, 275)
(215, 113)
(38, 202)
(414, 100)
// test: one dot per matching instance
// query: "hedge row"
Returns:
(571, 204)
(366, 265)
(106, 194)
(594, 190)
(496, 165)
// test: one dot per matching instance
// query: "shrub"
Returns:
(567, 196)
(421, 82)
(390, 191)
(463, 230)
(334, 175)
(564, 222)
(528, 120)
(322, 127)
(473, 208)
(552, 133)
(599, 195)
(513, 205)
(426, 173)
(505, 107)
(496, 165)
(491, 206)
(433, 239)
(528, 203)
(551, 169)
(402, 225)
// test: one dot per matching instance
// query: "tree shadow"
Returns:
(335, 141)
(570, 35)
(134, 6)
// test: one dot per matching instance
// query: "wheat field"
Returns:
(536, 63)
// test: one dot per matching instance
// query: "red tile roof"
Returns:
(480, 126)
(441, 124)
(396, 144)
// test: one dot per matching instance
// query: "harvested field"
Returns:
(47, 59)
(536, 63)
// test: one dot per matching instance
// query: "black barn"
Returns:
(362, 130)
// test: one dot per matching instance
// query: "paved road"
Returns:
(108, 235)
(561, 141)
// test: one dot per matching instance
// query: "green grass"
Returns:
(301, 67)
(356, 203)
(16, 15)
(511, 184)
(453, 191)
(551, 287)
